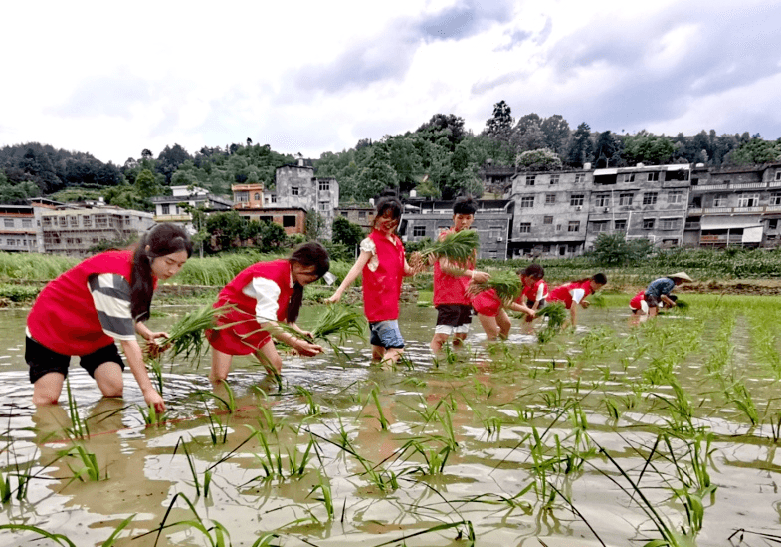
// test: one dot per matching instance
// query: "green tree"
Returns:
(607, 149)
(146, 185)
(541, 159)
(344, 231)
(615, 250)
(315, 225)
(556, 133)
(756, 151)
(500, 124)
(648, 148)
(581, 149)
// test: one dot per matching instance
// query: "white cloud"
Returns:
(113, 79)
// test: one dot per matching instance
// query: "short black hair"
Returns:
(532, 270)
(600, 278)
(465, 206)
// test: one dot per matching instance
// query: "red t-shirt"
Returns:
(64, 318)
(563, 293)
(534, 293)
(449, 289)
(382, 286)
(637, 302)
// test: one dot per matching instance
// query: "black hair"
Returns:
(306, 254)
(465, 206)
(599, 278)
(532, 270)
(161, 240)
(386, 204)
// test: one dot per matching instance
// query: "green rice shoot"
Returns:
(456, 246)
(506, 284)
(556, 313)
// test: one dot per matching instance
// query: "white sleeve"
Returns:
(577, 295)
(266, 292)
(368, 246)
(540, 292)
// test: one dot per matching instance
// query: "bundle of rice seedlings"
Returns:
(598, 300)
(456, 246)
(506, 284)
(342, 320)
(556, 313)
(186, 336)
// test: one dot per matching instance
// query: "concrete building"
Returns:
(20, 226)
(170, 208)
(360, 214)
(297, 189)
(734, 206)
(292, 219)
(427, 218)
(72, 229)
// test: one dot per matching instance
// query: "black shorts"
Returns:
(653, 301)
(454, 315)
(42, 360)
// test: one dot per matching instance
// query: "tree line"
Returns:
(440, 159)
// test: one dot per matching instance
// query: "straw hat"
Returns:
(680, 275)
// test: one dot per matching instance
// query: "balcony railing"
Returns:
(730, 186)
(732, 210)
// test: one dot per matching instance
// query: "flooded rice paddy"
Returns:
(617, 434)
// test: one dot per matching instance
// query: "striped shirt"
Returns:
(111, 293)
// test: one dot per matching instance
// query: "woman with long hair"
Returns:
(258, 298)
(104, 299)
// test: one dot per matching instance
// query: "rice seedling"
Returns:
(89, 460)
(229, 401)
(738, 395)
(506, 284)
(313, 409)
(456, 246)
(434, 458)
(61, 539)
(186, 337)
(79, 428)
(324, 486)
(221, 534)
(374, 395)
(151, 416)
(342, 320)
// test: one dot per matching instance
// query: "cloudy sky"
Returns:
(113, 78)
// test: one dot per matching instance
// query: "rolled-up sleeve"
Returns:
(266, 292)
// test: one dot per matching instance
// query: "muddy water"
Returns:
(500, 440)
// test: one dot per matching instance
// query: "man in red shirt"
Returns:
(451, 279)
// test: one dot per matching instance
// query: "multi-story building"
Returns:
(296, 189)
(72, 229)
(19, 228)
(551, 211)
(292, 219)
(427, 218)
(173, 208)
(362, 215)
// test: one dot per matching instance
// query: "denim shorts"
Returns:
(386, 334)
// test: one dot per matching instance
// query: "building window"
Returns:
(324, 205)
(101, 221)
(63, 221)
(580, 177)
(27, 223)
(361, 214)
(548, 219)
(576, 200)
(525, 227)
(8, 222)
(241, 197)
(620, 225)
(419, 231)
(625, 198)
(602, 200)
(748, 200)
(294, 190)
(166, 209)
(778, 175)
(648, 223)
(11, 242)
(775, 197)
(628, 177)
(675, 196)
(47, 221)
(530, 180)
(558, 227)
(720, 200)
(573, 226)
(649, 198)
(323, 185)
(86, 221)
(668, 224)
(772, 224)
(527, 201)
(345, 214)
(653, 176)
(554, 179)
(73, 221)
(289, 221)
(599, 227)
(257, 196)
(550, 199)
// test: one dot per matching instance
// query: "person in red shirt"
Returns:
(261, 296)
(382, 265)
(575, 293)
(451, 281)
(104, 299)
(491, 310)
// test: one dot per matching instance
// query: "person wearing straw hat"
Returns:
(659, 291)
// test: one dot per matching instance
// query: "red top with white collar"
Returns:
(450, 289)
(563, 293)
(538, 291)
(381, 278)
